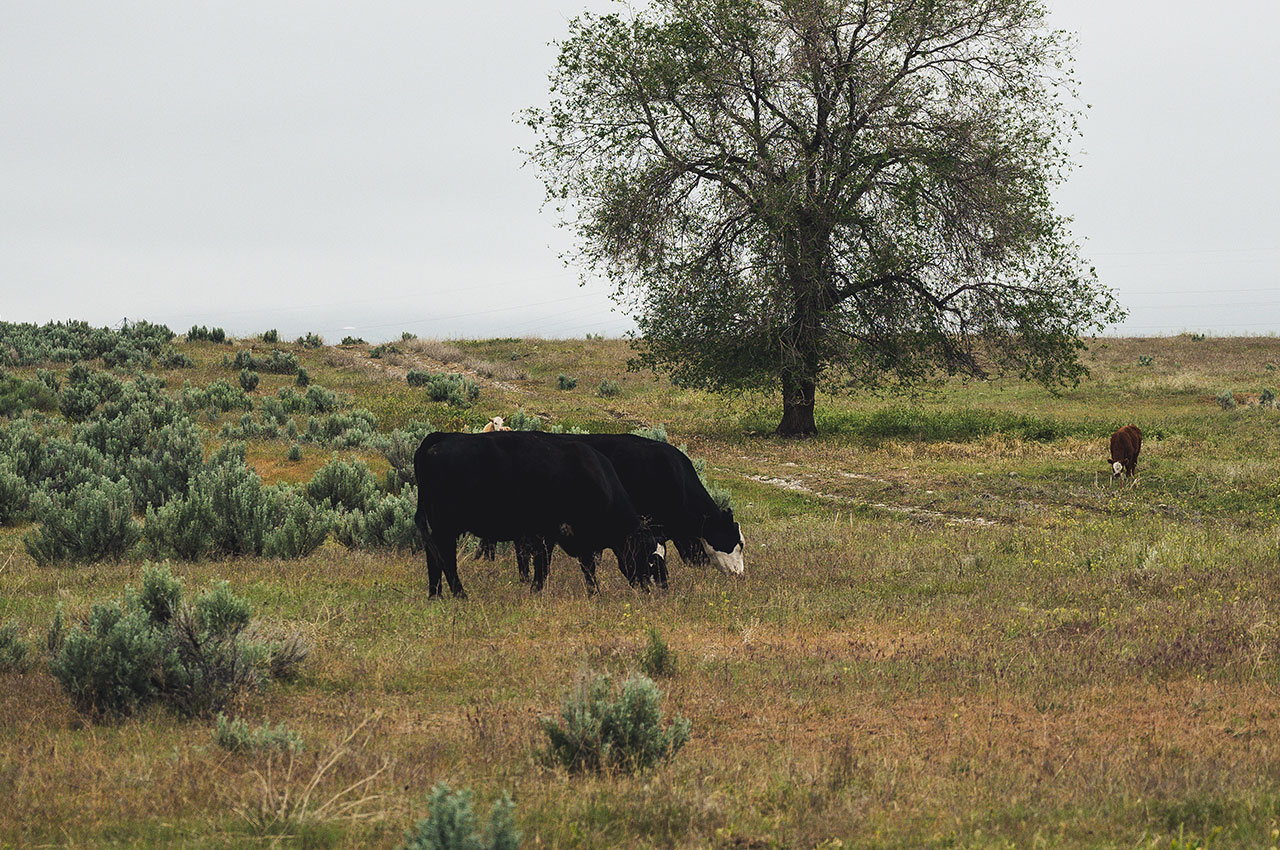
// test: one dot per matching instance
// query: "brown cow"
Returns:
(1125, 445)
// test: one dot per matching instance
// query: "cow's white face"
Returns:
(1117, 468)
(661, 551)
(729, 563)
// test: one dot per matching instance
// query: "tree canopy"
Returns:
(790, 191)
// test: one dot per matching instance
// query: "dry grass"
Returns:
(1096, 666)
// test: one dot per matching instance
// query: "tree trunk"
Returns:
(797, 407)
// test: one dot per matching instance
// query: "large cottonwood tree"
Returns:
(786, 191)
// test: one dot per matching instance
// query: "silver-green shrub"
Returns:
(450, 824)
(15, 653)
(386, 522)
(299, 527)
(237, 736)
(92, 522)
(343, 485)
(599, 729)
(15, 496)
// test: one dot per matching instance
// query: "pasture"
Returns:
(953, 631)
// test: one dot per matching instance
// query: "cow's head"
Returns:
(1117, 469)
(722, 542)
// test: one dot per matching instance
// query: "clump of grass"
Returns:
(15, 654)
(566, 382)
(1267, 398)
(657, 659)
(1226, 400)
(600, 730)
(1146, 360)
(237, 736)
(451, 824)
(608, 388)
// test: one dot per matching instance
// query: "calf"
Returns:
(519, 486)
(1125, 445)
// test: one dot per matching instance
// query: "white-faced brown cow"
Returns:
(1125, 445)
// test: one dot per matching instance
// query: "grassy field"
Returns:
(953, 631)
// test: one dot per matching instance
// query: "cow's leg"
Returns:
(448, 552)
(588, 563)
(524, 551)
(541, 562)
(435, 544)
(487, 550)
(661, 578)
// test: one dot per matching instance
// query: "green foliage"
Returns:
(1146, 360)
(277, 362)
(399, 447)
(304, 377)
(15, 496)
(854, 223)
(1267, 398)
(652, 432)
(598, 730)
(566, 382)
(92, 522)
(353, 340)
(1227, 400)
(386, 522)
(408, 337)
(15, 653)
(200, 333)
(343, 485)
(152, 647)
(133, 344)
(321, 400)
(608, 388)
(18, 395)
(298, 526)
(657, 658)
(248, 380)
(384, 349)
(172, 358)
(295, 453)
(237, 736)
(450, 824)
(218, 395)
(344, 430)
(521, 421)
(271, 337)
(458, 390)
(311, 340)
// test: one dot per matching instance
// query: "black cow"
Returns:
(666, 491)
(519, 486)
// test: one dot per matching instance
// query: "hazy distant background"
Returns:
(352, 168)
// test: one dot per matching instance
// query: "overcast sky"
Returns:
(352, 168)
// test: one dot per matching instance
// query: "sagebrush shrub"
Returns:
(399, 448)
(151, 646)
(15, 653)
(321, 400)
(1226, 400)
(1267, 398)
(598, 731)
(15, 496)
(248, 380)
(343, 485)
(456, 389)
(1146, 360)
(521, 421)
(200, 333)
(92, 522)
(298, 526)
(657, 658)
(237, 736)
(386, 522)
(653, 432)
(566, 382)
(450, 824)
(295, 452)
(608, 388)
(18, 395)
(172, 358)
(182, 528)
(304, 377)
(353, 340)
(272, 336)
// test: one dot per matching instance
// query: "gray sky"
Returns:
(352, 168)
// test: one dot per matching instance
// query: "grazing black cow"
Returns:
(518, 486)
(666, 491)
(1125, 445)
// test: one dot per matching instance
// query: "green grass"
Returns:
(954, 631)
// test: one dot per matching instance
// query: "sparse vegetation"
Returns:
(450, 824)
(458, 390)
(1146, 360)
(238, 736)
(608, 388)
(601, 729)
(566, 382)
(1227, 400)
(946, 635)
